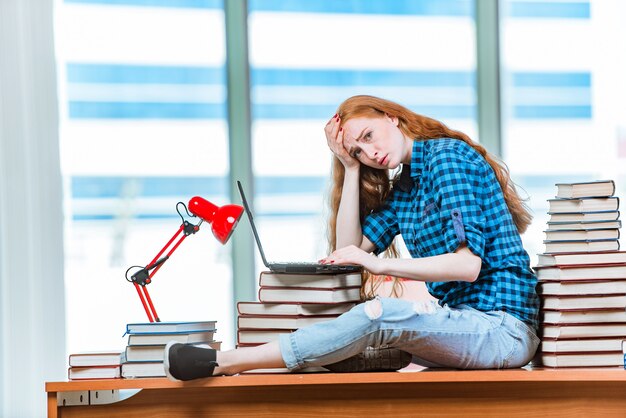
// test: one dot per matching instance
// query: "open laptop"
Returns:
(293, 267)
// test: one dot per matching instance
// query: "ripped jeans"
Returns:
(460, 337)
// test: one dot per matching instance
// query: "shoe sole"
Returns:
(373, 360)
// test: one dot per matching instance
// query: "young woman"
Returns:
(460, 217)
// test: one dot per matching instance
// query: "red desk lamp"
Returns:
(223, 221)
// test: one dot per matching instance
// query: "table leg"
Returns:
(53, 408)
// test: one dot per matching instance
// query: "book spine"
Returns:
(239, 308)
(261, 279)
(613, 187)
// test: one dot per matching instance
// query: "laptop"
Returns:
(293, 267)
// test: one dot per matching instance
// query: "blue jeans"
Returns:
(459, 337)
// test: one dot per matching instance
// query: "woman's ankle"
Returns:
(225, 365)
(221, 371)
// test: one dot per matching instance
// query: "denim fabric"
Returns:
(458, 337)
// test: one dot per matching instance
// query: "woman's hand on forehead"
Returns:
(334, 138)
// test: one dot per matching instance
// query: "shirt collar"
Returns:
(410, 175)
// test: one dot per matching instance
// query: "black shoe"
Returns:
(187, 362)
(382, 359)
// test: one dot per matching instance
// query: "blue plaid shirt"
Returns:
(451, 198)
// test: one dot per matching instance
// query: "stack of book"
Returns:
(584, 217)
(143, 356)
(582, 279)
(95, 365)
(291, 301)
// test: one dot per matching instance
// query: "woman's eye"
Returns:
(356, 153)
(368, 136)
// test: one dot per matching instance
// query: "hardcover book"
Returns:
(292, 309)
(593, 204)
(328, 281)
(583, 302)
(274, 322)
(587, 226)
(582, 288)
(164, 338)
(581, 235)
(169, 327)
(103, 358)
(581, 345)
(93, 372)
(143, 369)
(581, 246)
(569, 259)
(604, 316)
(306, 295)
(582, 359)
(589, 272)
(584, 217)
(584, 331)
(259, 336)
(597, 188)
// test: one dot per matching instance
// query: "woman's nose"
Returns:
(370, 152)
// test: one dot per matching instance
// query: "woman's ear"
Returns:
(392, 119)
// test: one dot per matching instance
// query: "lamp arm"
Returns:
(143, 276)
(222, 219)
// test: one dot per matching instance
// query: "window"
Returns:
(562, 77)
(143, 95)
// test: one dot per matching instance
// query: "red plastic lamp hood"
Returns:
(222, 219)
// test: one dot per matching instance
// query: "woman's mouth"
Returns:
(384, 160)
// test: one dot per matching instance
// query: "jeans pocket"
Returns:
(528, 331)
(525, 344)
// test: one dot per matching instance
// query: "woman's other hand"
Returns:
(354, 255)
(334, 138)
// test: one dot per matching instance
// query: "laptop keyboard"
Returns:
(329, 267)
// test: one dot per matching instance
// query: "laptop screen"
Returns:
(250, 217)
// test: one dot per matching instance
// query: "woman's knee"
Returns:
(373, 308)
(368, 314)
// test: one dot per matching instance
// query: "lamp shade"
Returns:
(222, 219)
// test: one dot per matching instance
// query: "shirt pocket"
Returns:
(429, 234)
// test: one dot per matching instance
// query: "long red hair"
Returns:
(375, 184)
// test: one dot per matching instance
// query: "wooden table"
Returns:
(427, 393)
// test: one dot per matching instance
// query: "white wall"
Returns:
(32, 317)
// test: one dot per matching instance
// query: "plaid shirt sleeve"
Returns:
(381, 226)
(457, 188)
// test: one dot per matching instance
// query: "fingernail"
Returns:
(335, 115)
(340, 129)
(332, 261)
